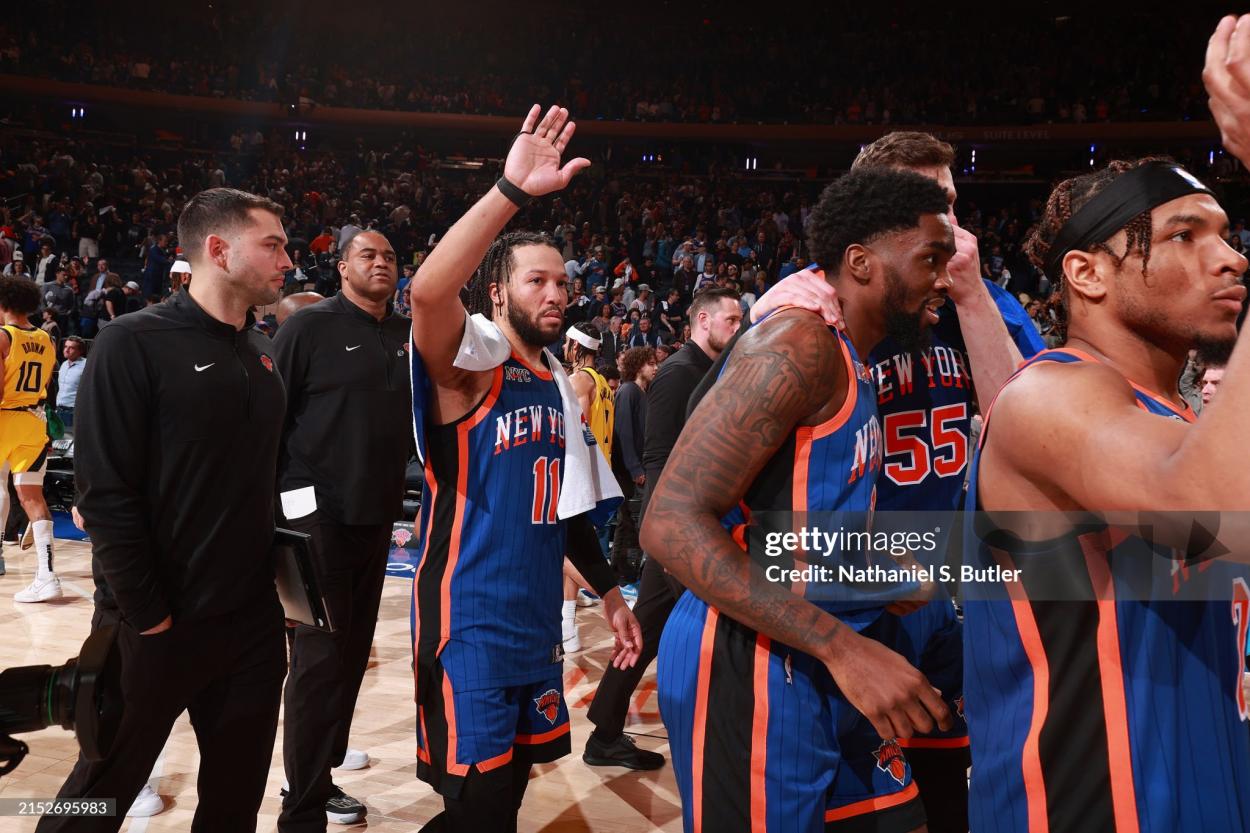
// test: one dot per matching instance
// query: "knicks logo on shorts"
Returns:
(548, 705)
(959, 708)
(889, 756)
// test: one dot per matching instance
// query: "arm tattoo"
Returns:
(778, 376)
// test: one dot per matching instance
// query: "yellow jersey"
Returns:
(602, 416)
(27, 368)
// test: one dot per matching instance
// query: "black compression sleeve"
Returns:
(587, 556)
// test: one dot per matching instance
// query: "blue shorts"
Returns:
(486, 728)
(762, 739)
(931, 639)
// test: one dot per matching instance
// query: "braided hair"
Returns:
(1069, 197)
(496, 267)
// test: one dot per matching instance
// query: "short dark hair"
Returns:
(905, 149)
(217, 211)
(633, 360)
(18, 295)
(865, 204)
(706, 298)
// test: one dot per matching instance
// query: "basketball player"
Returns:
(1114, 650)
(581, 348)
(29, 356)
(487, 640)
(926, 398)
(178, 424)
(783, 712)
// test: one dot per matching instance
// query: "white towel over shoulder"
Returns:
(588, 481)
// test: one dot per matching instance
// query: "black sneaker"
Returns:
(343, 809)
(620, 752)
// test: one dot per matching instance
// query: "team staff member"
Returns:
(178, 422)
(345, 448)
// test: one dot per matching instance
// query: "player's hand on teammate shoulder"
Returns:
(533, 162)
(806, 289)
(887, 689)
(1227, 79)
(626, 631)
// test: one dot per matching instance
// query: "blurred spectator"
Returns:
(68, 375)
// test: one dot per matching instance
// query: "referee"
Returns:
(177, 425)
(345, 448)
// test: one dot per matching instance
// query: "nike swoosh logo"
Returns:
(199, 369)
(350, 349)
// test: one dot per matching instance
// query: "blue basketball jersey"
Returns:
(1120, 710)
(487, 588)
(925, 399)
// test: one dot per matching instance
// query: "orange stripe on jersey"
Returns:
(960, 742)
(759, 736)
(495, 762)
(462, 489)
(700, 716)
(839, 419)
(874, 805)
(1185, 411)
(1031, 760)
(423, 751)
(537, 371)
(802, 458)
(543, 737)
(1114, 701)
(449, 712)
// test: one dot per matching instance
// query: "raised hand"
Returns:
(1227, 79)
(533, 163)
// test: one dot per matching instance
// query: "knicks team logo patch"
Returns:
(959, 708)
(517, 374)
(890, 759)
(548, 705)
(863, 373)
(266, 362)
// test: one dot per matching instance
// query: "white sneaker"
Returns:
(585, 599)
(147, 803)
(40, 591)
(354, 759)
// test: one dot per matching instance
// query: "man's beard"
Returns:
(905, 329)
(1213, 352)
(528, 330)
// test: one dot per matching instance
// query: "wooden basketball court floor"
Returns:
(562, 797)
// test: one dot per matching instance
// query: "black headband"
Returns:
(1131, 193)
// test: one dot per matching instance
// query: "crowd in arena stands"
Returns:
(944, 67)
(96, 228)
